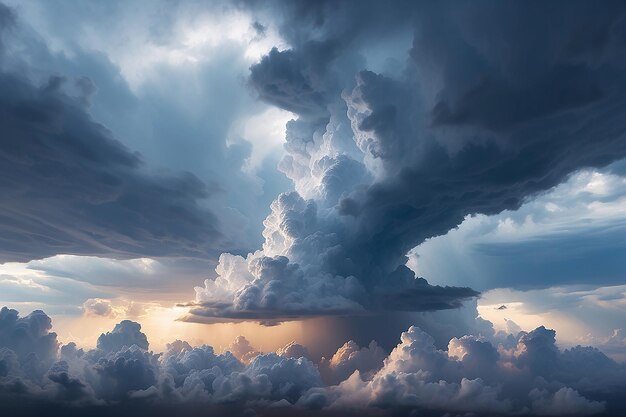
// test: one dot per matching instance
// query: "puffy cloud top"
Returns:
(478, 120)
(125, 334)
(27, 340)
(483, 376)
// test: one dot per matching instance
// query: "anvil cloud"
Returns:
(481, 118)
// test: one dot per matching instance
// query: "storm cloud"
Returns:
(70, 187)
(407, 117)
(101, 159)
(482, 117)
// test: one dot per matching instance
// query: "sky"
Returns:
(291, 207)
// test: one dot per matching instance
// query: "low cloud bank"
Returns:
(504, 374)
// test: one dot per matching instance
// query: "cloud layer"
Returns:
(70, 187)
(506, 374)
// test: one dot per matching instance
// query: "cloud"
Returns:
(242, 349)
(125, 203)
(55, 155)
(177, 76)
(98, 307)
(350, 358)
(517, 248)
(64, 283)
(579, 314)
(475, 376)
(382, 162)
(29, 340)
(479, 117)
(289, 377)
(120, 373)
(267, 285)
(564, 402)
(525, 374)
(125, 334)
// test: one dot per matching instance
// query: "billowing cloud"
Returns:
(382, 161)
(579, 314)
(525, 248)
(350, 358)
(125, 334)
(242, 349)
(29, 340)
(523, 374)
(294, 350)
(564, 402)
(470, 113)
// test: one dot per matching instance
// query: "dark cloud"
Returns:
(259, 28)
(112, 208)
(485, 115)
(285, 79)
(123, 372)
(495, 103)
(28, 340)
(350, 358)
(69, 389)
(510, 139)
(71, 188)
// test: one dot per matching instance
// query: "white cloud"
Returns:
(580, 314)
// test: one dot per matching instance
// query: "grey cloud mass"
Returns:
(484, 115)
(175, 137)
(70, 187)
(502, 374)
(407, 118)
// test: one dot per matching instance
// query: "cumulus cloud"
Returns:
(242, 349)
(382, 161)
(27, 341)
(125, 334)
(174, 198)
(350, 358)
(98, 307)
(294, 350)
(473, 375)
(525, 374)
(564, 402)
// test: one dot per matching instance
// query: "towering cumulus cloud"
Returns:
(481, 114)
(522, 374)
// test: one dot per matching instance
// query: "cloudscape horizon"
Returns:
(330, 207)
